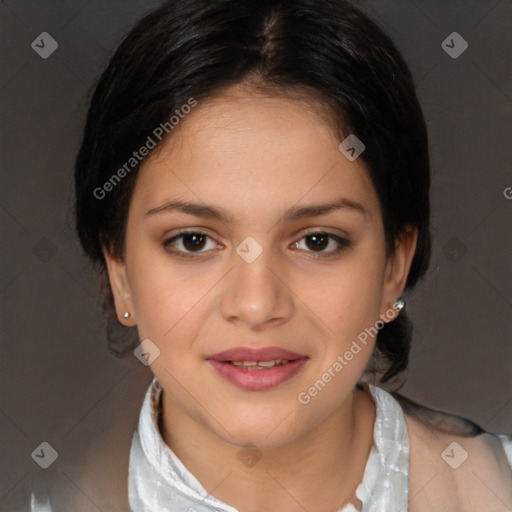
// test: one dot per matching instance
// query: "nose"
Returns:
(256, 294)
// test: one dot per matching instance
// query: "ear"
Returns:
(397, 269)
(120, 286)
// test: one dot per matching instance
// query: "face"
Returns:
(250, 232)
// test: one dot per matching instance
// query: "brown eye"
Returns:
(194, 241)
(322, 243)
(318, 241)
(189, 242)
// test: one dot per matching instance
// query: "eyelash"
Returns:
(343, 243)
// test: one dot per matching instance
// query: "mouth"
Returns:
(257, 369)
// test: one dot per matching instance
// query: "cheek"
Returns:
(164, 295)
(347, 299)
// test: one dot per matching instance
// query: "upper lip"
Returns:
(256, 354)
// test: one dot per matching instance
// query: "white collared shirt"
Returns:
(158, 480)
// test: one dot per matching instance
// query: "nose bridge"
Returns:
(256, 275)
(255, 295)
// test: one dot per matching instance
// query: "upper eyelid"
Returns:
(203, 232)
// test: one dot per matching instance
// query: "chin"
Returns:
(265, 434)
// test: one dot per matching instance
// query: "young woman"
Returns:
(254, 180)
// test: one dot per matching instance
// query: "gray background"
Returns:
(61, 385)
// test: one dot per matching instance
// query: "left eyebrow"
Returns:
(315, 210)
(294, 213)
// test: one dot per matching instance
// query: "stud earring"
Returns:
(126, 315)
(399, 305)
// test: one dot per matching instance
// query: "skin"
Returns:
(256, 157)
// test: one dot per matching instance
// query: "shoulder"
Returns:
(454, 465)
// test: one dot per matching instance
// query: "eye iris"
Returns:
(193, 241)
(317, 241)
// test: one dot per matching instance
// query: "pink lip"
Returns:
(260, 379)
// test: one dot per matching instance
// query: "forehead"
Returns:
(244, 150)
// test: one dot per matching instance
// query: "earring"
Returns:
(399, 305)
(126, 315)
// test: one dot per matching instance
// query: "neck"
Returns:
(319, 471)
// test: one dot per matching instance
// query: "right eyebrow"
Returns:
(190, 208)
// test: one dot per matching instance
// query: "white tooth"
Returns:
(255, 365)
(267, 364)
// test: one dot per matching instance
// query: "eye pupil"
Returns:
(193, 241)
(318, 241)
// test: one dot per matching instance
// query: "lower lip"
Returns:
(257, 380)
